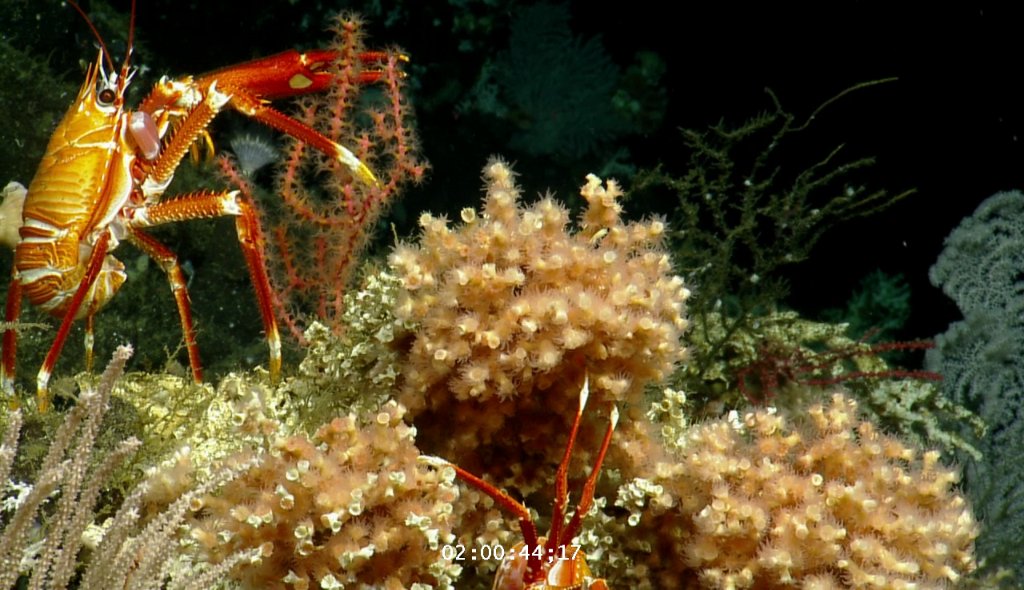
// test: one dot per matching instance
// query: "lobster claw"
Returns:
(250, 85)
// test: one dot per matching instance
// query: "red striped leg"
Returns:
(250, 237)
(207, 206)
(11, 313)
(99, 252)
(168, 261)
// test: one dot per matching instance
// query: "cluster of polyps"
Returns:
(352, 505)
(513, 308)
(758, 502)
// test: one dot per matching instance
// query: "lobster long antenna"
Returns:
(562, 475)
(96, 33)
(131, 36)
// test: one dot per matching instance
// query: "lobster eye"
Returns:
(106, 96)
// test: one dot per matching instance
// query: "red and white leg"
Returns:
(92, 272)
(12, 310)
(247, 88)
(168, 261)
(207, 206)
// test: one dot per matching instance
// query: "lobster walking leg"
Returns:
(208, 206)
(168, 261)
(99, 252)
(11, 313)
(250, 236)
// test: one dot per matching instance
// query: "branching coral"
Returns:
(321, 218)
(789, 361)
(512, 308)
(747, 209)
(759, 503)
(352, 505)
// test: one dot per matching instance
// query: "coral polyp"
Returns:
(351, 505)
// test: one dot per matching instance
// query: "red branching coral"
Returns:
(325, 218)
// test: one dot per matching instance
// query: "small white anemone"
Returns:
(253, 153)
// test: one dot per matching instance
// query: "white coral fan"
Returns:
(758, 503)
(513, 308)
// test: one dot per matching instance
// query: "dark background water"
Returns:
(949, 127)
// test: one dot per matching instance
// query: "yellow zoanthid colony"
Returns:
(513, 308)
(350, 506)
(764, 501)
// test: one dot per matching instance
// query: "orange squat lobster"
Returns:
(549, 562)
(103, 176)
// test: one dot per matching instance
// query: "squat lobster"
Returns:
(102, 181)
